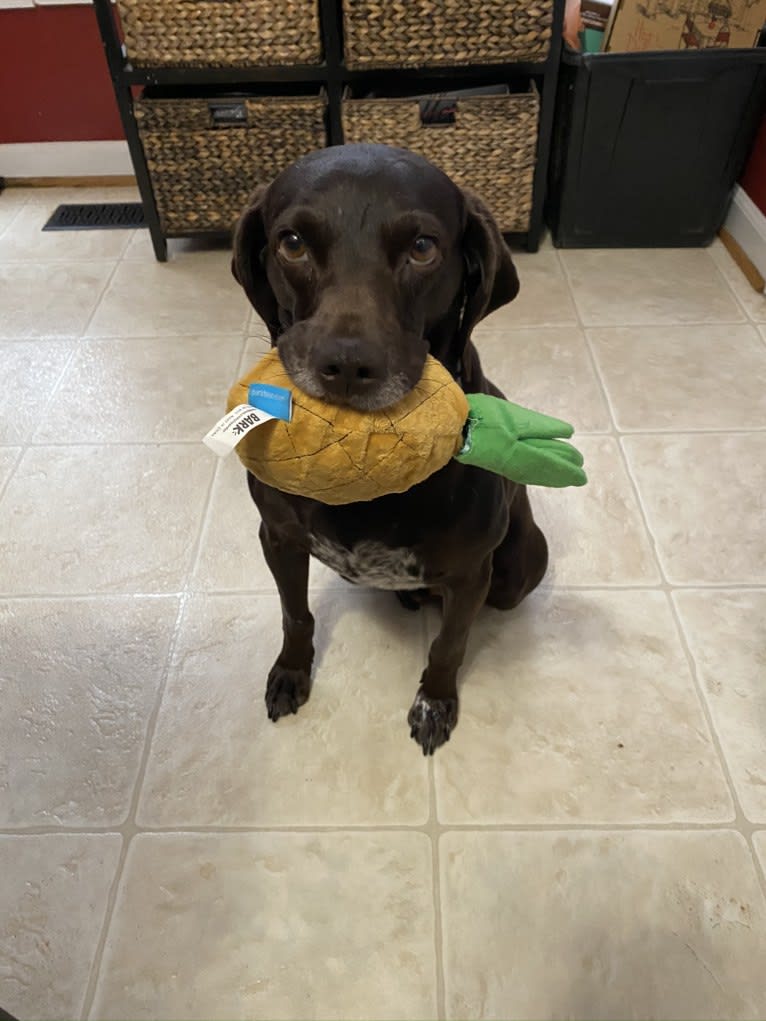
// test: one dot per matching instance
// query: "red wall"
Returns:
(754, 177)
(54, 83)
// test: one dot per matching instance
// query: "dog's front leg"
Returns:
(433, 715)
(289, 682)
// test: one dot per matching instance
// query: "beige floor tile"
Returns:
(79, 680)
(52, 906)
(51, 299)
(142, 390)
(195, 295)
(272, 925)
(596, 535)
(9, 210)
(230, 556)
(725, 631)
(684, 377)
(256, 346)
(140, 248)
(102, 519)
(8, 458)
(704, 501)
(27, 242)
(639, 287)
(29, 370)
(602, 925)
(259, 332)
(543, 299)
(579, 707)
(546, 368)
(346, 758)
(753, 302)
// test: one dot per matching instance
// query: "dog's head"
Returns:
(362, 260)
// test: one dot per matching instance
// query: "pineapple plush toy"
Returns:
(338, 455)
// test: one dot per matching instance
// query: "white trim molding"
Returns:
(65, 159)
(747, 225)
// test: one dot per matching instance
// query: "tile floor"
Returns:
(592, 842)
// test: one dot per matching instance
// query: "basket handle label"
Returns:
(437, 112)
(228, 114)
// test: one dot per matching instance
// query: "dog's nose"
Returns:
(347, 367)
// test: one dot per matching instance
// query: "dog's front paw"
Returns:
(286, 691)
(431, 721)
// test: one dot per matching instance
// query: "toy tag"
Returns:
(226, 433)
(274, 400)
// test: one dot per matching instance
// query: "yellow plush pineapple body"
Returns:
(339, 455)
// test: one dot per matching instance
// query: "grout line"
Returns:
(51, 597)
(90, 986)
(16, 461)
(270, 590)
(105, 338)
(205, 521)
(195, 441)
(14, 217)
(129, 829)
(614, 429)
(441, 995)
(632, 482)
(54, 390)
(686, 431)
(616, 325)
(100, 298)
(760, 864)
(428, 828)
(743, 824)
(434, 831)
(25, 444)
(117, 443)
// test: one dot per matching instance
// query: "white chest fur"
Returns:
(371, 563)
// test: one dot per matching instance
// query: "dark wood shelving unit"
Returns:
(333, 76)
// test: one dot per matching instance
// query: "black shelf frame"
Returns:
(333, 76)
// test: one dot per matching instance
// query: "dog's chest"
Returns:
(371, 563)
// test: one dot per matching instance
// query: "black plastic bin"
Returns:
(648, 146)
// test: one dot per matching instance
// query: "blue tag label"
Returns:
(274, 400)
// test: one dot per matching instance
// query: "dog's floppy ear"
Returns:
(490, 279)
(248, 263)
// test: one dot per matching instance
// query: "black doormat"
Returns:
(97, 216)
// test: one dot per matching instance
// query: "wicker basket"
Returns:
(490, 148)
(221, 33)
(421, 33)
(206, 155)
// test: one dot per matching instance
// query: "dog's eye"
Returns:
(423, 250)
(292, 246)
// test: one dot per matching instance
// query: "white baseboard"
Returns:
(65, 159)
(747, 225)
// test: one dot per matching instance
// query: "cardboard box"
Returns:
(685, 24)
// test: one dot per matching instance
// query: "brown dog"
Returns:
(361, 260)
